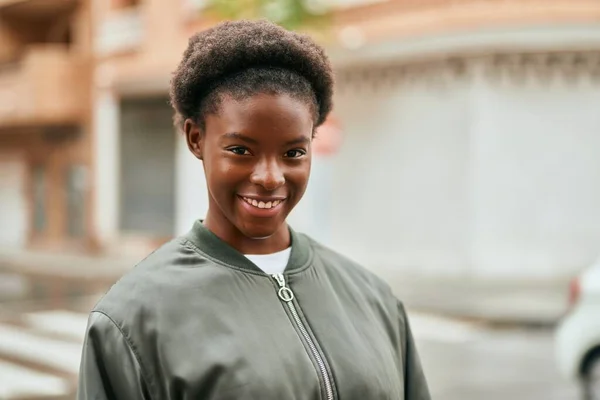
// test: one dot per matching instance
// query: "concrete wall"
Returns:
(399, 186)
(535, 151)
(470, 173)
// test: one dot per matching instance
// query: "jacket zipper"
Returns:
(287, 296)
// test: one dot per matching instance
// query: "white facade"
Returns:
(485, 167)
(399, 181)
(536, 174)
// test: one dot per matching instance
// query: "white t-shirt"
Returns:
(273, 263)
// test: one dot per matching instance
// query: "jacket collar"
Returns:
(213, 246)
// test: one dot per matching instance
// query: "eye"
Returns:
(239, 150)
(296, 153)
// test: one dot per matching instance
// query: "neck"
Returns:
(231, 235)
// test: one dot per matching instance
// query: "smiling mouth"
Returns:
(262, 204)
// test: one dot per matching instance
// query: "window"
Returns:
(147, 163)
(195, 4)
(121, 30)
(76, 182)
(39, 186)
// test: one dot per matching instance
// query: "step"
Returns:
(17, 382)
(21, 344)
(61, 323)
(441, 329)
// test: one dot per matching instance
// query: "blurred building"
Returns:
(470, 134)
(471, 137)
(45, 66)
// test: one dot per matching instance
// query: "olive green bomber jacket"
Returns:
(198, 320)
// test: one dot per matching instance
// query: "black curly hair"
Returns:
(243, 58)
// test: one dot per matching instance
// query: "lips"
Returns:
(268, 204)
(262, 206)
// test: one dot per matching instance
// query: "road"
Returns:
(39, 357)
(471, 362)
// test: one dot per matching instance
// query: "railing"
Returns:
(47, 86)
(120, 30)
(9, 45)
(446, 15)
(36, 7)
(4, 3)
(429, 3)
(410, 5)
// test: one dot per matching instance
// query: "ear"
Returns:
(194, 137)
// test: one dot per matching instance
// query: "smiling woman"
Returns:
(244, 307)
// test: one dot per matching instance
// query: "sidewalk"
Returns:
(534, 303)
(66, 265)
(54, 279)
(525, 303)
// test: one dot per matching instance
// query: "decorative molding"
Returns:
(571, 67)
(518, 68)
(122, 30)
(435, 74)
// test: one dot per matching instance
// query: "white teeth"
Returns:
(262, 204)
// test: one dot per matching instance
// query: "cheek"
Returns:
(299, 176)
(221, 176)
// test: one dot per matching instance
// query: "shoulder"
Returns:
(344, 268)
(153, 281)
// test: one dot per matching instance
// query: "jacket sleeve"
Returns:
(109, 368)
(415, 384)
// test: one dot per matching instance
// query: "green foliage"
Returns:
(291, 14)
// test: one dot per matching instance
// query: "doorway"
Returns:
(147, 168)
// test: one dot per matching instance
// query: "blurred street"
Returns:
(468, 362)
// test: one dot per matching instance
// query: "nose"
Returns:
(268, 174)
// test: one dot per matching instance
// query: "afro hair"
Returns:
(243, 58)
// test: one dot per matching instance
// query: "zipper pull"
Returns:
(285, 293)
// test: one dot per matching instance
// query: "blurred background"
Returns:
(461, 163)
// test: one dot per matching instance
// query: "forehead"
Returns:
(262, 114)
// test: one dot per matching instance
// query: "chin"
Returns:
(260, 230)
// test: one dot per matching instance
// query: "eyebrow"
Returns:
(299, 140)
(247, 139)
(239, 136)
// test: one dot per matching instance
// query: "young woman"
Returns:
(244, 307)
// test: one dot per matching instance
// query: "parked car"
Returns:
(578, 334)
